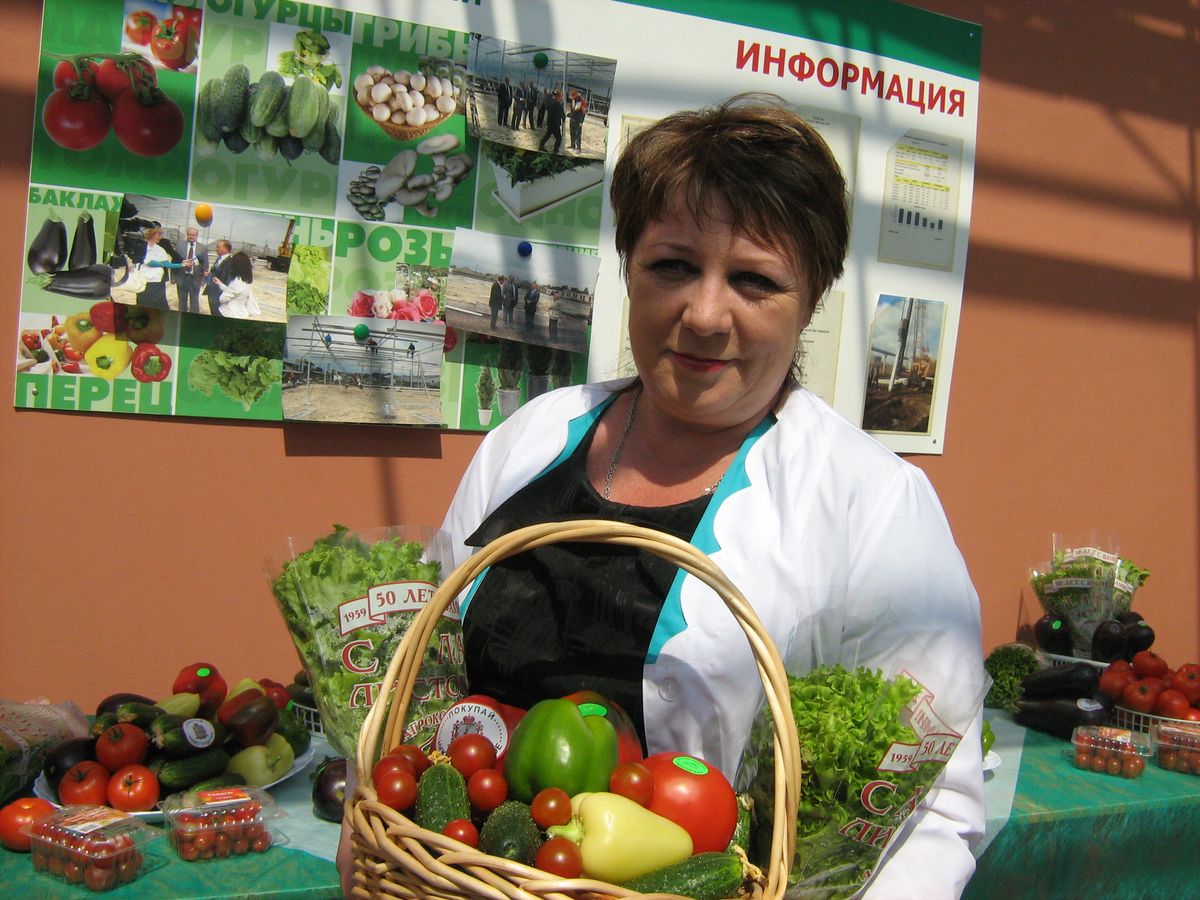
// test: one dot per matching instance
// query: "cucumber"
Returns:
(179, 736)
(741, 831)
(139, 714)
(290, 148)
(306, 106)
(235, 142)
(266, 148)
(511, 833)
(228, 780)
(103, 722)
(268, 99)
(278, 126)
(206, 110)
(181, 774)
(331, 150)
(715, 875)
(441, 797)
(248, 129)
(204, 146)
(315, 139)
(231, 104)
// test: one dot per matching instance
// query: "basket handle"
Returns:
(405, 665)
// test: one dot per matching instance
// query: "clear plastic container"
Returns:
(1177, 747)
(1111, 751)
(91, 846)
(221, 823)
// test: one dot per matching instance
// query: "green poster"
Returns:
(371, 258)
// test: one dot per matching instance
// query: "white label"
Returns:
(472, 718)
(385, 599)
(199, 732)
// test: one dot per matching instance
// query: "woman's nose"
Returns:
(708, 308)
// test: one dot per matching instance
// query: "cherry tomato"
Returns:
(551, 806)
(18, 815)
(76, 117)
(67, 72)
(1083, 759)
(133, 789)
(1132, 766)
(147, 126)
(463, 831)
(84, 783)
(694, 795)
(139, 26)
(115, 77)
(559, 856)
(487, 789)
(416, 757)
(121, 745)
(471, 752)
(396, 787)
(98, 879)
(632, 780)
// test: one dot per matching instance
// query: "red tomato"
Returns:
(397, 787)
(1192, 715)
(149, 126)
(174, 43)
(560, 856)
(1147, 662)
(696, 796)
(1119, 665)
(139, 25)
(189, 14)
(133, 789)
(463, 831)
(1139, 696)
(388, 765)
(551, 806)
(121, 745)
(471, 752)
(1171, 703)
(1114, 681)
(99, 879)
(1154, 683)
(84, 783)
(76, 117)
(20, 814)
(115, 77)
(417, 760)
(1187, 682)
(487, 789)
(632, 780)
(1133, 765)
(67, 72)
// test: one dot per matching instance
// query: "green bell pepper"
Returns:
(558, 744)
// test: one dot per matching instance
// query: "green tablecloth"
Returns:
(1055, 831)
(302, 869)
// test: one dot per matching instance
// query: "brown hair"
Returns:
(755, 155)
(241, 267)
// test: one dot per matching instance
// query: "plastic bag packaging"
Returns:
(348, 599)
(28, 731)
(871, 745)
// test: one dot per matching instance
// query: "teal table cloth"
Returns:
(1055, 831)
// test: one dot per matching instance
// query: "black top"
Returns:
(568, 617)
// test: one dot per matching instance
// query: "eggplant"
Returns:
(110, 703)
(90, 283)
(1068, 682)
(83, 244)
(1052, 635)
(1109, 641)
(329, 789)
(1059, 717)
(1128, 617)
(48, 252)
(64, 755)
(1138, 637)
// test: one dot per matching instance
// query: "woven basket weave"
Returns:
(393, 857)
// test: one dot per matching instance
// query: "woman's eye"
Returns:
(671, 267)
(755, 282)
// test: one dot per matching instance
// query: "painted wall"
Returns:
(130, 547)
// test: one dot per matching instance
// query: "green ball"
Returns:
(361, 332)
(540, 60)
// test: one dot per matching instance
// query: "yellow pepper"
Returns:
(109, 356)
(620, 840)
(81, 331)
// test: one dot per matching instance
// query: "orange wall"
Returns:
(131, 546)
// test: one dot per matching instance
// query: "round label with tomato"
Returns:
(472, 717)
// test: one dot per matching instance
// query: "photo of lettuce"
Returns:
(308, 281)
(243, 361)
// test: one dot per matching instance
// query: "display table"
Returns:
(1056, 831)
(302, 869)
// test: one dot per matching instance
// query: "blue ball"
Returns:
(525, 248)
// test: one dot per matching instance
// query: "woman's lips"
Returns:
(700, 363)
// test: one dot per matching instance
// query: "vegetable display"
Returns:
(242, 362)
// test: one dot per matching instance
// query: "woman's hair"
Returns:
(241, 267)
(754, 155)
(152, 231)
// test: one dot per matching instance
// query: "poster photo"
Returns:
(902, 369)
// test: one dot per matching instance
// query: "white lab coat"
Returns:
(844, 552)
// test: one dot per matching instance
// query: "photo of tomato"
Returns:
(139, 26)
(119, 75)
(147, 124)
(174, 43)
(76, 117)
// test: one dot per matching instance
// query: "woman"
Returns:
(237, 297)
(576, 114)
(154, 263)
(841, 547)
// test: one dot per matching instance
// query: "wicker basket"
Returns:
(403, 132)
(395, 858)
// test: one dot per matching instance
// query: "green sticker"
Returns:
(593, 709)
(203, 672)
(1056, 625)
(690, 764)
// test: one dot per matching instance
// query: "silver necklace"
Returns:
(616, 457)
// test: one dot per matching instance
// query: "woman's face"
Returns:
(714, 319)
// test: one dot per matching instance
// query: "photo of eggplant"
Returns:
(83, 244)
(48, 252)
(94, 282)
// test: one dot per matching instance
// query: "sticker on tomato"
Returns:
(476, 714)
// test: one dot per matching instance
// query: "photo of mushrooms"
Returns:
(410, 186)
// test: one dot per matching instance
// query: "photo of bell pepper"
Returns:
(109, 356)
(143, 324)
(620, 840)
(81, 332)
(558, 744)
(150, 363)
(252, 721)
(203, 679)
(263, 764)
(108, 316)
(629, 745)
